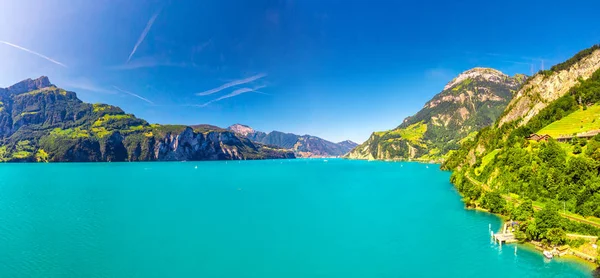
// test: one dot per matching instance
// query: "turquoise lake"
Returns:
(290, 218)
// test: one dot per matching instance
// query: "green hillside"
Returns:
(503, 172)
(583, 120)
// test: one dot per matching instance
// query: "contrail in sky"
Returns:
(132, 94)
(144, 33)
(231, 84)
(34, 53)
(236, 92)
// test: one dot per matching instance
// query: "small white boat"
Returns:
(548, 254)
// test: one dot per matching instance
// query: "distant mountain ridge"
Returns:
(468, 103)
(41, 122)
(302, 145)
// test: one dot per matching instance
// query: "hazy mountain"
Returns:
(302, 145)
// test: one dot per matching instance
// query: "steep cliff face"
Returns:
(301, 145)
(548, 86)
(471, 101)
(40, 122)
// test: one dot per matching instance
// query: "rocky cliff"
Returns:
(40, 122)
(471, 101)
(548, 86)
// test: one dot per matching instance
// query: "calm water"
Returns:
(293, 218)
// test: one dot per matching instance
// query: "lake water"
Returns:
(259, 219)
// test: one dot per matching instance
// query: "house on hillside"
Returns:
(538, 137)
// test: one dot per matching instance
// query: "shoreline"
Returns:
(532, 247)
(527, 245)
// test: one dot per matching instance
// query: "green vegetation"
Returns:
(580, 55)
(4, 154)
(486, 160)
(580, 121)
(412, 133)
(106, 119)
(41, 156)
(28, 113)
(70, 133)
(504, 173)
(469, 137)
(24, 150)
(99, 107)
(101, 132)
(46, 90)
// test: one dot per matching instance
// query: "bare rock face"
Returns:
(545, 88)
(28, 85)
(483, 74)
(241, 129)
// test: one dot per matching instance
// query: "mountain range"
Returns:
(41, 122)
(301, 145)
(468, 103)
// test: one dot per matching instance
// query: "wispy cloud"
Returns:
(34, 53)
(439, 74)
(516, 62)
(86, 85)
(144, 33)
(231, 84)
(147, 62)
(236, 92)
(132, 94)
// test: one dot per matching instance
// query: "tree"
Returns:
(524, 211)
(556, 236)
(41, 156)
(552, 153)
(547, 218)
(494, 202)
(531, 230)
(577, 149)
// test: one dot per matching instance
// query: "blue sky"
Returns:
(334, 69)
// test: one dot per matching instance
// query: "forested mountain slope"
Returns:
(501, 170)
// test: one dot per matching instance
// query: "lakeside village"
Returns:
(577, 245)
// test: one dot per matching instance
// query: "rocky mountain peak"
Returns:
(487, 74)
(30, 85)
(241, 129)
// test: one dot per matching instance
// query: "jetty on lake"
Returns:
(507, 235)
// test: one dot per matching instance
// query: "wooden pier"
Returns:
(506, 236)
